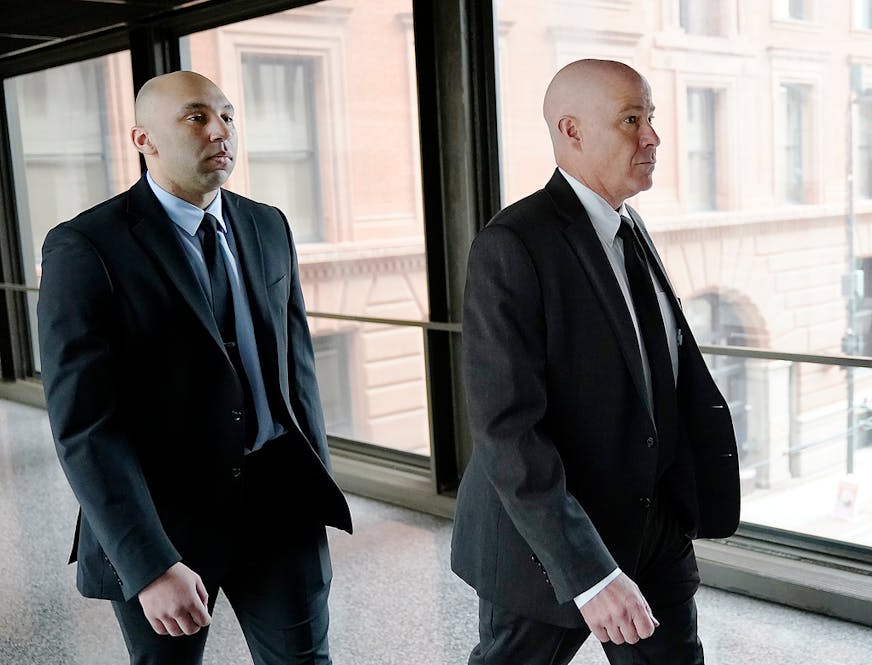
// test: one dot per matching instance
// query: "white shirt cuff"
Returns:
(586, 596)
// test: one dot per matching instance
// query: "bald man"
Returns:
(180, 383)
(602, 445)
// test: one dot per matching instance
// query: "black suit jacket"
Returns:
(143, 400)
(555, 493)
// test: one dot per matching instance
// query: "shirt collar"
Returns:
(605, 219)
(183, 214)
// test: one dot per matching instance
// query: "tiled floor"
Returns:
(394, 600)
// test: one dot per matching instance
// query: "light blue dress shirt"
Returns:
(187, 217)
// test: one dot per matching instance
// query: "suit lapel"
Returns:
(688, 350)
(249, 249)
(580, 233)
(154, 230)
(250, 256)
(663, 278)
(659, 268)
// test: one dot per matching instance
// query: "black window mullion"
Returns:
(15, 355)
(454, 53)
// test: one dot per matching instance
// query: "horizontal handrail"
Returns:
(768, 354)
(426, 325)
(710, 349)
(6, 286)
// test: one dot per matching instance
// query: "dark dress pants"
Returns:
(668, 578)
(276, 577)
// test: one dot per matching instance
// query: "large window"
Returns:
(326, 101)
(753, 269)
(69, 131)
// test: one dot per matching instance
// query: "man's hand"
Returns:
(619, 613)
(175, 603)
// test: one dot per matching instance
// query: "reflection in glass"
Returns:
(69, 157)
(69, 137)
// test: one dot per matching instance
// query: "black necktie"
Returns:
(222, 308)
(653, 333)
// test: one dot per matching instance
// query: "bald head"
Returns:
(580, 88)
(598, 114)
(158, 90)
(185, 130)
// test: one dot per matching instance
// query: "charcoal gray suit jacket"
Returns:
(565, 452)
(143, 401)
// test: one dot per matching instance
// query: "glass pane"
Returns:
(69, 129)
(329, 133)
(783, 261)
(371, 379)
(805, 463)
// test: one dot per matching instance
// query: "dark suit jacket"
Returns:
(555, 493)
(143, 400)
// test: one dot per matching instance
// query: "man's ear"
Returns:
(142, 141)
(569, 128)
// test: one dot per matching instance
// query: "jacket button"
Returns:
(236, 471)
(649, 442)
(645, 502)
(237, 415)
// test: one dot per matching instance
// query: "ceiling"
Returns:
(29, 24)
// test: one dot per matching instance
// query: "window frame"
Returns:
(713, 98)
(310, 66)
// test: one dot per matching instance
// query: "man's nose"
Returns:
(219, 130)
(649, 136)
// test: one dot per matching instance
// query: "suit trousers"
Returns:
(276, 577)
(668, 578)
